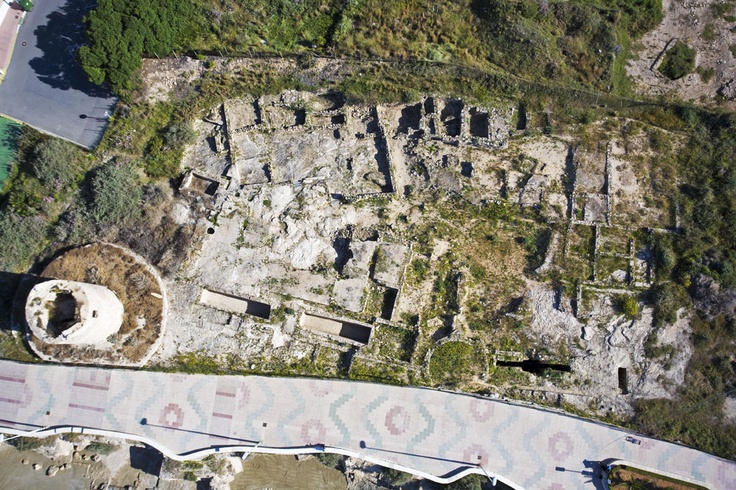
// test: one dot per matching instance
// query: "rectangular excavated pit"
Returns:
(234, 304)
(451, 116)
(340, 328)
(623, 381)
(480, 123)
(200, 183)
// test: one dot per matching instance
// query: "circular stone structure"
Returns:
(95, 304)
(73, 312)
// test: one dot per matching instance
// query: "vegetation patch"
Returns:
(627, 478)
(99, 447)
(454, 362)
(9, 133)
(678, 61)
(121, 32)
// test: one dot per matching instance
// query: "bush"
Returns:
(116, 193)
(26, 443)
(330, 460)
(165, 150)
(627, 305)
(668, 299)
(395, 477)
(103, 448)
(470, 482)
(20, 239)
(27, 195)
(56, 164)
(120, 32)
(678, 61)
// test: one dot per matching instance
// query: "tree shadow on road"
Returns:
(60, 38)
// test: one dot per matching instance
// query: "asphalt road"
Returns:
(45, 87)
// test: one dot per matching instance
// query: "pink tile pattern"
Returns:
(172, 416)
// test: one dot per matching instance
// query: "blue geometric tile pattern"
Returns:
(430, 431)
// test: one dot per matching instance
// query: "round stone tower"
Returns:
(69, 312)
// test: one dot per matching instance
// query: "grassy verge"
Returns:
(625, 478)
(9, 133)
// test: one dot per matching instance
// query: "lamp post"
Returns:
(492, 480)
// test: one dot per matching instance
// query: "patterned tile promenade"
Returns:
(432, 431)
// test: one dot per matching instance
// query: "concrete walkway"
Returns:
(10, 17)
(435, 432)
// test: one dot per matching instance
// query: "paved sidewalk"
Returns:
(432, 431)
(10, 16)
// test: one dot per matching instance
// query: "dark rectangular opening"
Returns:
(355, 332)
(623, 381)
(452, 117)
(410, 118)
(300, 117)
(383, 163)
(479, 124)
(389, 300)
(338, 119)
(429, 105)
(256, 308)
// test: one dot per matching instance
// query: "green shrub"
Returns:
(20, 239)
(678, 61)
(470, 482)
(193, 465)
(627, 305)
(116, 193)
(330, 460)
(56, 163)
(165, 150)
(27, 195)
(668, 298)
(395, 477)
(103, 448)
(26, 443)
(706, 74)
(120, 32)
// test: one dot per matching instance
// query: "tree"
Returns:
(678, 61)
(120, 32)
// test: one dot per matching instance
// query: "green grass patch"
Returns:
(455, 362)
(9, 134)
(626, 478)
(366, 370)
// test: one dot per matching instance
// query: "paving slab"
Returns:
(45, 87)
(432, 431)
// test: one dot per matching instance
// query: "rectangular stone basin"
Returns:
(339, 328)
(234, 304)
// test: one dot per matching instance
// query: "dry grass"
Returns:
(134, 286)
